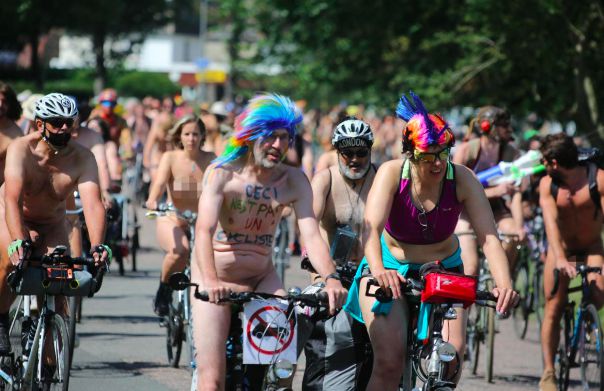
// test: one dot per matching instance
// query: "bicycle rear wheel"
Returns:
(54, 344)
(562, 358)
(591, 350)
(174, 330)
(520, 314)
(490, 336)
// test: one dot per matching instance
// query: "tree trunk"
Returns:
(100, 79)
(36, 67)
(588, 119)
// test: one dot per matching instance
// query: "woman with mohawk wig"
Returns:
(410, 216)
(244, 193)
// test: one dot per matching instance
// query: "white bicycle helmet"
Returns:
(352, 133)
(56, 105)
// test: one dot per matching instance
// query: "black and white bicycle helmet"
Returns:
(352, 133)
(56, 105)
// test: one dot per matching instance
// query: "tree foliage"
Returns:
(543, 56)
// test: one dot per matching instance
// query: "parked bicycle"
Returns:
(255, 377)
(581, 336)
(41, 354)
(429, 359)
(178, 323)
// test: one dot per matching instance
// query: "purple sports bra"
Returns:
(407, 224)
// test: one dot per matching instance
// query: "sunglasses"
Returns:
(431, 156)
(108, 103)
(422, 219)
(58, 123)
(351, 153)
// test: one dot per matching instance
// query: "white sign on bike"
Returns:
(268, 332)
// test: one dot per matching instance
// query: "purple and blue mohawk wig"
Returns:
(262, 116)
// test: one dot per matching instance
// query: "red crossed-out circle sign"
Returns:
(284, 340)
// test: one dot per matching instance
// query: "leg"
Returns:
(172, 239)
(454, 331)
(468, 245)
(388, 335)
(554, 306)
(596, 281)
(505, 225)
(211, 323)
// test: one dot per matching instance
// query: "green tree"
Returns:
(541, 56)
(116, 19)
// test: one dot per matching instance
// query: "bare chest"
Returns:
(253, 207)
(49, 183)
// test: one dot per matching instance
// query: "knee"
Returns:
(389, 363)
(177, 255)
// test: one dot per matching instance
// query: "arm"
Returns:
(163, 177)
(90, 194)
(481, 217)
(377, 210)
(318, 252)
(307, 159)
(516, 209)
(552, 229)
(148, 148)
(210, 204)
(113, 161)
(320, 186)
(98, 150)
(14, 173)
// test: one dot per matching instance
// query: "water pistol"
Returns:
(508, 172)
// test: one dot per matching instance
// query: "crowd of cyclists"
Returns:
(371, 199)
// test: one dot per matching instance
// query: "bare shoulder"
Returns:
(218, 177)
(327, 159)
(391, 168)
(600, 181)
(321, 179)
(22, 144)
(463, 173)
(82, 153)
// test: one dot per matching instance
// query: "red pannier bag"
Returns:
(443, 287)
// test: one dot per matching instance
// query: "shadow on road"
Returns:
(117, 369)
(135, 319)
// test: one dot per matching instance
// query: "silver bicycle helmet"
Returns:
(56, 105)
(352, 133)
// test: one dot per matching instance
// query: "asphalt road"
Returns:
(121, 345)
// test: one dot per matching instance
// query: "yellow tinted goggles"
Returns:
(432, 156)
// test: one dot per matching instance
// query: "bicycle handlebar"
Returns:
(583, 270)
(314, 300)
(164, 208)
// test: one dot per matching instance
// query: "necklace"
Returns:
(422, 217)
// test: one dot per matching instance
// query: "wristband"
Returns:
(335, 276)
(14, 246)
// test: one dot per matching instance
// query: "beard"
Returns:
(352, 175)
(261, 157)
(556, 176)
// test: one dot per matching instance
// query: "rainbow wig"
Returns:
(261, 117)
(423, 129)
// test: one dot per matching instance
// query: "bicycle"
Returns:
(122, 231)
(581, 334)
(178, 321)
(528, 279)
(429, 359)
(242, 377)
(30, 365)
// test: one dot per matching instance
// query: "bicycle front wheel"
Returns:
(473, 337)
(591, 350)
(54, 348)
(520, 313)
(562, 358)
(174, 330)
(490, 337)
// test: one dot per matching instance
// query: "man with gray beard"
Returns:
(337, 352)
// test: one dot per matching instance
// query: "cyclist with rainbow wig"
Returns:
(410, 216)
(244, 193)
